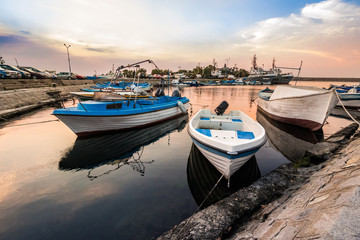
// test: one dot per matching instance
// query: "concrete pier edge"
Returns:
(225, 219)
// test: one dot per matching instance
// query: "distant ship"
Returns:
(272, 76)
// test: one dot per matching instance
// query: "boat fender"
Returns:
(159, 92)
(182, 107)
(176, 93)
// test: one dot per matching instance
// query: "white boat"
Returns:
(272, 76)
(127, 94)
(350, 99)
(109, 112)
(306, 107)
(179, 83)
(228, 140)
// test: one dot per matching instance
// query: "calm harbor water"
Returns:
(126, 185)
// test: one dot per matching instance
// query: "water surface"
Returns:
(126, 185)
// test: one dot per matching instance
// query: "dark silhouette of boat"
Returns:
(202, 177)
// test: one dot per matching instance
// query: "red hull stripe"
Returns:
(313, 126)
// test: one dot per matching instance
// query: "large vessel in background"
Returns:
(272, 76)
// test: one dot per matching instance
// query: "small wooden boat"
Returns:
(350, 99)
(227, 141)
(109, 112)
(306, 107)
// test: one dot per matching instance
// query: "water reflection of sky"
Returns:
(39, 197)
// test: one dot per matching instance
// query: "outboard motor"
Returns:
(176, 93)
(221, 108)
(159, 92)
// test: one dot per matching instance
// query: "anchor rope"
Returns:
(338, 97)
(188, 220)
(56, 120)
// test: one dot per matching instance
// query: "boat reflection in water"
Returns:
(118, 149)
(290, 140)
(202, 177)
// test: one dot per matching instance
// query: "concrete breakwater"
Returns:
(318, 202)
(15, 102)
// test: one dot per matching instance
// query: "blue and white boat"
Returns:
(226, 140)
(109, 112)
(350, 99)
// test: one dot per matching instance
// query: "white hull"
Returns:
(81, 125)
(223, 164)
(350, 103)
(308, 111)
(351, 100)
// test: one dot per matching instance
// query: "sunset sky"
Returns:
(325, 35)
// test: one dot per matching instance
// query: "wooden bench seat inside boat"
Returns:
(221, 124)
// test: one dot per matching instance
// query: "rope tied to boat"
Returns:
(198, 208)
(338, 97)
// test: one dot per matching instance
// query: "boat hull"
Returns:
(86, 125)
(351, 100)
(225, 163)
(308, 111)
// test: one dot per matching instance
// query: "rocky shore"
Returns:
(317, 202)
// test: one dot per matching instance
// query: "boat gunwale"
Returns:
(193, 133)
(113, 115)
(295, 97)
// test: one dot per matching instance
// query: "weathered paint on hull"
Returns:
(308, 111)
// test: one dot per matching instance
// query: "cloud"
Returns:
(314, 30)
(101, 50)
(11, 40)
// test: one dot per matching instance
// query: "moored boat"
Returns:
(109, 112)
(350, 99)
(306, 107)
(226, 140)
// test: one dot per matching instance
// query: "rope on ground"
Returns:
(187, 221)
(196, 104)
(34, 123)
(337, 95)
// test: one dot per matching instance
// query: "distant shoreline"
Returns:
(324, 79)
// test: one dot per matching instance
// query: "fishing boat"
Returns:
(109, 112)
(272, 76)
(350, 98)
(226, 140)
(88, 95)
(307, 107)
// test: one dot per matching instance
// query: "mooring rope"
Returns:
(188, 220)
(337, 95)
(34, 123)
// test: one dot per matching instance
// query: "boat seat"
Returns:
(206, 132)
(245, 135)
(226, 134)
